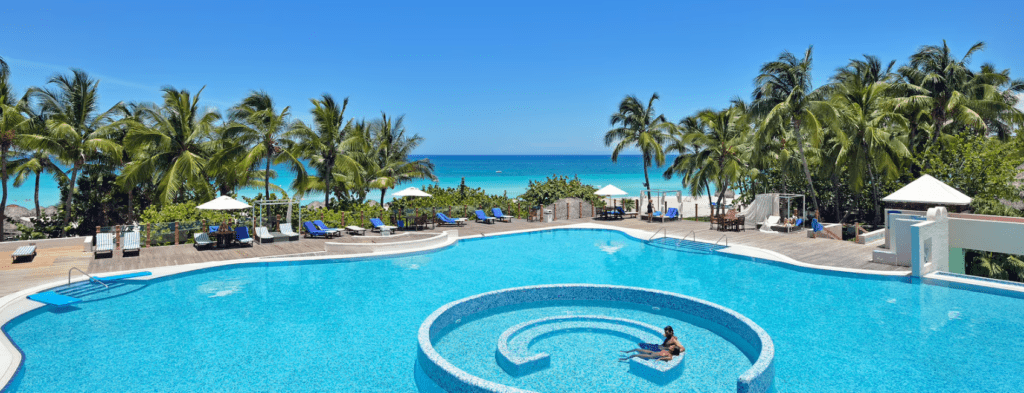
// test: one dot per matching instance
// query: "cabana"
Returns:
(609, 191)
(908, 206)
(661, 200)
(926, 192)
(277, 202)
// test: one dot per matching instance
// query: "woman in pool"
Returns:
(668, 348)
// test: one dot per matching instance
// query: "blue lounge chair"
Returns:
(499, 216)
(670, 214)
(24, 251)
(480, 216)
(622, 212)
(130, 243)
(202, 240)
(445, 220)
(378, 225)
(104, 243)
(242, 236)
(312, 231)
(323, 227)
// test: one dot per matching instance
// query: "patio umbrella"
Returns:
(610, 190)
(224, 202)
(411, 192)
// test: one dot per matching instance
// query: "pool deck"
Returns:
(56, 257)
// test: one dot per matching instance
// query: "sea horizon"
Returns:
(497, 174)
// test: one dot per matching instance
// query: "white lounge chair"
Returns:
(286, 229)
(130, 243)
(355, 230)
(768, 223)
(104, 243)
(202, 239)
(263, 235)
(24, 251)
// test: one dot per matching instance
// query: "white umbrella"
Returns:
(610, 190)
(224, 202)
(411, 192)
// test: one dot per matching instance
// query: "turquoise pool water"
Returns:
(351, 326)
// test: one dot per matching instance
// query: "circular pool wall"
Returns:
(446, 376)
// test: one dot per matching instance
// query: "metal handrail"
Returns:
(656, 234)
(91, 278)
(726, 237)
(694, 233)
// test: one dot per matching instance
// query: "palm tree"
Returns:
(784, 97)
(260, 129)
(872, 136)
(382, 151)
(322, 146)
(639, 127)
(74, 136)
(169, 146)
(954, 95)
(37, 163)
(718, 149)
(11, 121)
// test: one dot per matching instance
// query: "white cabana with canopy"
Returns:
(928, 190)
(609, 191)
(411, 192)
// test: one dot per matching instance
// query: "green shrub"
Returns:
(558, 187)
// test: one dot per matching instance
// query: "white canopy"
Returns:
(411, 192)
(223, 202)
(928, 190)
(610, 190)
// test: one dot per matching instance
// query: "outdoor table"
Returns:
(224, 238)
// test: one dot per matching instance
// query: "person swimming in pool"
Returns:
(668, 348)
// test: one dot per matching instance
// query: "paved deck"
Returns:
(56, 257)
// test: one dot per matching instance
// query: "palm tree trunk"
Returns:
(835, 198)
(647, 180)
(874, 200)
(803, 160)
(131, 215)
(39, 213)
(382, 191)
(68, 200)
(266, 178)
(3, 202)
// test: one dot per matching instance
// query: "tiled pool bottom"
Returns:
(588, 360)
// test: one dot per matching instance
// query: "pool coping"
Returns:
(16, 304)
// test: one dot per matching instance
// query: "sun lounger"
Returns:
(480, 216)
(263, 235)
(499, 216)
(378, 225)
(242, 236)
(104, 243)
(286, 229)
(130, 243)
(445, 220)
(355, 230)
(323, 227)
(622, 212)
(24, 251)
(312, 231)
(670, 214)
(202, 240)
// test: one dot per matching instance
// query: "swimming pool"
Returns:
(352, 326)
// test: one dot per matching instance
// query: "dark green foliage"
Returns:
(558, 187)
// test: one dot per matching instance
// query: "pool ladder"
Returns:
(91, 278)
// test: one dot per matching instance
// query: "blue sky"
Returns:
(480, 77)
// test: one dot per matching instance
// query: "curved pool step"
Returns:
(514, 343)
(685, 245)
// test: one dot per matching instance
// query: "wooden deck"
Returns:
(56, 257)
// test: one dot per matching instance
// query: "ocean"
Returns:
(499, 174)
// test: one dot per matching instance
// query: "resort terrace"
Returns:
(56, 257)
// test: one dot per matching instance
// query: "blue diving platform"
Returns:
(54, 298)
(120, 277)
